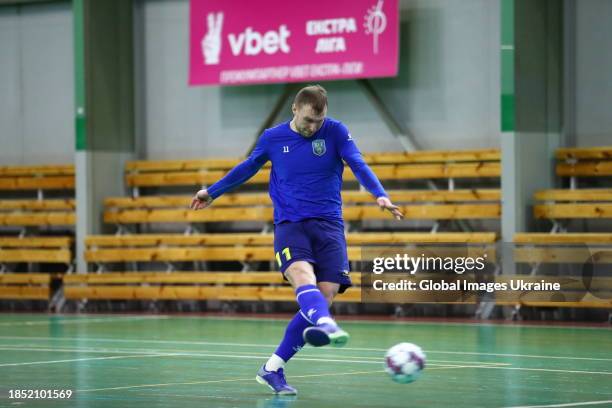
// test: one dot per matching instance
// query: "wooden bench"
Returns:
(35, 250)
(25, 286)
(417, 204)
(562, 205)
(563, 248)
(226, 286)
(348, 197)
(484, 163)
(584, 162)
(251, 247)
(26, 213)
(567, 248)
(40, 178)
(251, 286)
(265, 214)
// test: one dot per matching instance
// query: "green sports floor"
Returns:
(208, 361)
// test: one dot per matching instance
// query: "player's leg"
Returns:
(272, 372)
(332, 275)
(315, 306)
(292, 248)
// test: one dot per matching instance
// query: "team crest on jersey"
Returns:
(318, 147)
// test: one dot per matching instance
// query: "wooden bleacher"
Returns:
(244, 247)
(451, 204)
(40, 250)
(436, 205)
(25, 286)
(250, 286)
(43, 177)
(562, 205)
(584, 162)
(37, 213)
(35, 250)
(557, 205)
(448, 204)
(450, 165)
(269, 286)
(348, 197)
(564, 249)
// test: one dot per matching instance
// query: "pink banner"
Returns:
(236, 42)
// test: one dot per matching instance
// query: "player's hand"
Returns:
(201, 199)
(385, 204)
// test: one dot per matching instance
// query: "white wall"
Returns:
(593, 75)
(447, 93)
(36, 84)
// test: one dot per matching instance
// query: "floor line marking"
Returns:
(222, 381)
(569, 404)
(239, 379)
(79, 321)
(370, 362)
(204, 343)
(77, 359)
(396, 322)
(356, 321)
(550, 370)
(162, 354)
(30, 347)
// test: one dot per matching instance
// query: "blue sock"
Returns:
(313, 304)
(293, 340)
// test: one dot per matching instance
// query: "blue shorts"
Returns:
(317, 241)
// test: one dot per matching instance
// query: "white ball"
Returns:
(404, 362)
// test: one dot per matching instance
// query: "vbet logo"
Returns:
(251, 42)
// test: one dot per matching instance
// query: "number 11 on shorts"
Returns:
(284, 252)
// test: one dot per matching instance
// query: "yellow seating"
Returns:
(568, 248)
(250, 286)
(348, 197)
(38, 218)
(44, 177)
(563, 248)
(584, 162)
(265, 214)
(243, 247)
(36, 249)
(387, 166)
(31, 286)
(575, 203)
(25, 286)
(47, 212)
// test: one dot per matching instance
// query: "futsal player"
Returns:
(307, 155)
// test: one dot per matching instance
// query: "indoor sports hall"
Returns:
(267, 203)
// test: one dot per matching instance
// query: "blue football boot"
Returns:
(275, 380)
(324, 334)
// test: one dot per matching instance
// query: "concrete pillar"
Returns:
(104, 111)
(531, 117)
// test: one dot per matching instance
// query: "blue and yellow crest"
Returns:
(318, 147)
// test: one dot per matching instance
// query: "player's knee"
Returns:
(300, 273)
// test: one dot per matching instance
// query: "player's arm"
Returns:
(366, 177)
(237, 176)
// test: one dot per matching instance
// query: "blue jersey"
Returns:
(306, 176)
